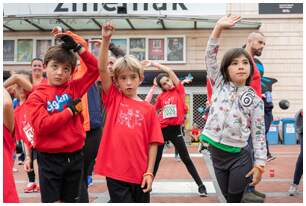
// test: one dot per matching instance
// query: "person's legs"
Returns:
(299, 166)
(268, 120)
(230, 170)
(51, 170)
(180, 146)
(72, 181)
(90, 150)
(139, 196)
(158, 158)
(119, 191)
(237, 180)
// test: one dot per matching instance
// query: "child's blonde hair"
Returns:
(128, 62)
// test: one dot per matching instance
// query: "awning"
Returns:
(15, 23)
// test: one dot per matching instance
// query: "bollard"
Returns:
(271, 172)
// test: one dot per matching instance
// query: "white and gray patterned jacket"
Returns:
(236, 112)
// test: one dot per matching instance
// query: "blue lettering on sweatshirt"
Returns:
(59, 103)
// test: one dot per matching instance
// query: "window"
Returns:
(42, 47)
(175, 49)
(24, 50)
(8, 50)
(121, 43)
(138, 48)
(156, 49)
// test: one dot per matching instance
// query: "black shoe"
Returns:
(251, 197)
(202, 191)
(270, 158)
(260, 194)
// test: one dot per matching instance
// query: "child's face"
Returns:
(128, 82)
(166, 83)
(58, 73)
(37, 69)
(111, 61)
(239, 70)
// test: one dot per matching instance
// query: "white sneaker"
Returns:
(293, 190)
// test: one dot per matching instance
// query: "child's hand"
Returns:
(68, 42)
(146, 63)
(229, 21)
(107, 30)
(146, 184)
(56, 30)
(27, 164)
(257, 174)
(75, 106)
(97, 42)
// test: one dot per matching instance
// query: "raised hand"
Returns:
(229, 21)
(107, 30)
(96, 42)
(56, 30)
(146, 63)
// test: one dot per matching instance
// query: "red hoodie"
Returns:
(55, 130)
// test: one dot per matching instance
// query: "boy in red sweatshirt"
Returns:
(53, 113)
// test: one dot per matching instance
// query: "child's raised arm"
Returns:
(105, 76)
(19, 80)
(211, 52)
(164, 68)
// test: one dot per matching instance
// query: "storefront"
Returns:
(170, 33)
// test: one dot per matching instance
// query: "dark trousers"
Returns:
(298, 172)
(90, 150)
(268, 121)
(230, 170)
(174, 134)
(124, 192)
(60, 176)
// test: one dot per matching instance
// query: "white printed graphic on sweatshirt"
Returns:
(129, 117)
(59, 103)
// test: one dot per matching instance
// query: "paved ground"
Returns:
(174, 184)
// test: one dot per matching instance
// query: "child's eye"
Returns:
(67, 70)
(234, 63)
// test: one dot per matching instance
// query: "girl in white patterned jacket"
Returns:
(236, 114)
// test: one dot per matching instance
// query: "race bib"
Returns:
(169, 111)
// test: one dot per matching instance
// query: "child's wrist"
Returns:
(148, 174)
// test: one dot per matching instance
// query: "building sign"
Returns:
(282, 8)
(47, 9)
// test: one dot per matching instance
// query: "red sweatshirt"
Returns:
(255, 83)
(55, 129)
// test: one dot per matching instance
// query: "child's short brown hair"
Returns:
(128, 62)
(60, 55)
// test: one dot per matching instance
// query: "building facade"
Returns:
(173, 34)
